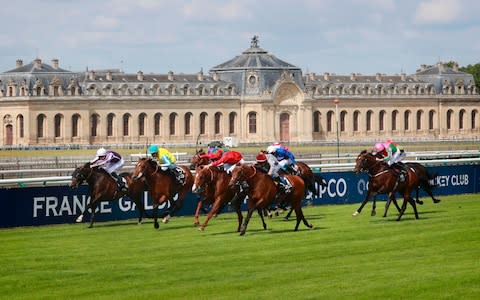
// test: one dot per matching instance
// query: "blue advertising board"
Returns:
(60, 204)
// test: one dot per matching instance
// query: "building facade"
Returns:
(252, 98)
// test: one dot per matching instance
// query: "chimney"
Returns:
(312, 76)
(37, 63)
(170, 75)
(200, 75)
(19, 63)
(109, 75)
(215, 76)
(353, 76)
(55, 63)
(91, 75)
(403, 77)
(326, 76)
(378, 77)
(423, 67)
(140, 76)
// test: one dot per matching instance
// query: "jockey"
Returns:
(167, 161)
(279, 158)
(261, 162)
(110, 161)
(391, 152)
(228, 161)
(214, 153)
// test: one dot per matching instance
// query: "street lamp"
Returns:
(336, 101)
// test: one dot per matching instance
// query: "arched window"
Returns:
(172, 119)
(41, 126)
(126, 124)
(110, 120)
(343, 116)
(406, 115)
(157, 121)
(142, 124)
(20, 126)
(474, 119)
(94, 124)
(449, 118)
(394, 119)
(330, 121)
(431, 116)
(188, 123)
(231, 122)
(461, 116)
(58, 125)
(203, 121)
(252, 122)
(316, 121)
(75, 124)
(419, 119)
(218, 118)
(381, 120)
(356, 114)
(369, 120)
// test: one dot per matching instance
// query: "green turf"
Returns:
(364, 257)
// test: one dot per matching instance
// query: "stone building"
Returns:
(253, 98)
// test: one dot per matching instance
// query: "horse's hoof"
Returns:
(79, 219)
(201, 228)
(436, 200)
(356, 213)
(165, 221)
(242, 233)
(156, 225)
(419, 202)
(374, 213)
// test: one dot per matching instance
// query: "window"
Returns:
(231, 122)
(343, 115)
(356, 114)
(94, 125)
(126, 124)
(58, 125)
(188, 120)
(474, 119)
(419, 119)
(316, 121)
(218, 118)
(110, 119)
(369, 120)
(449, 118)
(394, 119)
(329, 121)
(461, 116)
(75, 119)
(252, 122)
(141, 124)
(41, 126)
(171, 121)
(407, 120)
(203, 120)
(20, 126)
(381, 120)
(157, 119)
(431, 116)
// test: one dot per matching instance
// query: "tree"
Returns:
(475, 71)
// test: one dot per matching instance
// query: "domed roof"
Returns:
(254, 58)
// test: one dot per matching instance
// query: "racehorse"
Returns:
(262, 191)
(212, 183)
(384, 180)
(198, 159)
(162, 186)
(104, 188)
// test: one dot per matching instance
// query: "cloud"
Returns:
(105, 22)
(438, 11)
(205, 10)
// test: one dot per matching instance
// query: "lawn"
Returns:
(364, 257)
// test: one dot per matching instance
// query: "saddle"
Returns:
(400, 171)
(179, 175)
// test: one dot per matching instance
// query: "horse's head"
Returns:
(198, 159)
(241, 173)
(203, 176)
(80, 174)
(144, 166)
(365, 160)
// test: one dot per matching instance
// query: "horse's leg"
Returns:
(261, 217)
(428, 188)
(359, 210)
(300, 216)
(374, 207)
(243, 227)
(289, 214)
(396, 203)
(196, 217)
(389, 200)
(93, 207)
(414, 205)
(404, 207)
(239, 214)
(417, 190)
(216, 206)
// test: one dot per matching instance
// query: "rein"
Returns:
(254, 173)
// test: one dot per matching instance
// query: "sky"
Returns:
(186, 36)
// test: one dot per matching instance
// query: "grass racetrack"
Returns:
(364, 257)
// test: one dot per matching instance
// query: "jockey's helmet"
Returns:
(379, 147)
(101, 152)
(261, 157)
(271, 149)
(153, 149)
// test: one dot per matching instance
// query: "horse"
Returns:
(212, 183)
(162, 186)
(104, 188)
(198, 159)
(384, 180)
(262, 191)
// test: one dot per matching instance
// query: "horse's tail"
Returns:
(320, 180)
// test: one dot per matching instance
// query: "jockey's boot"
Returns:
(284, 186)
(120, 183)
(400, 171)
